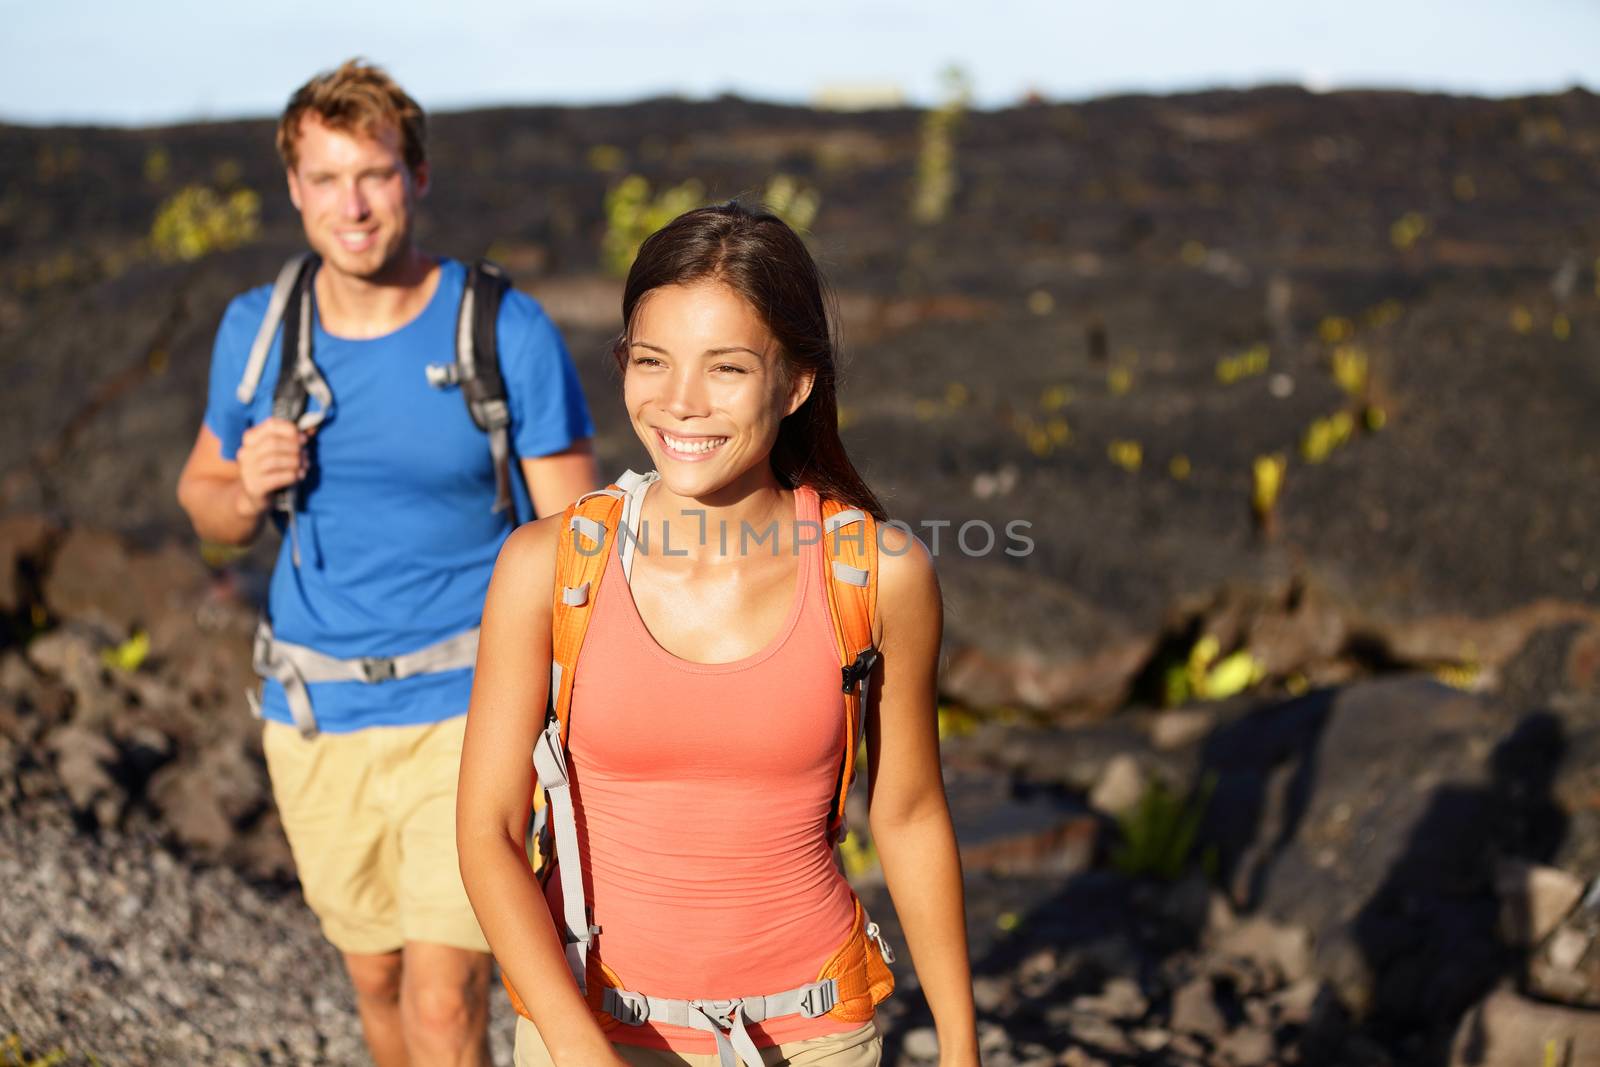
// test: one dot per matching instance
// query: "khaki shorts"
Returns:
(861, 1047)
(371, 820)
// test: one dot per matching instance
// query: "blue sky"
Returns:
(174, 60)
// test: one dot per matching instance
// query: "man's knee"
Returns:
(446, 997)
(443, 1012)
(375, 977)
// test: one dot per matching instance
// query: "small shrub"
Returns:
(1267, 477)
(1158, 834)
(1247, 364)
(633, 214)
(197, 220)
(793, 202)
(936, 156)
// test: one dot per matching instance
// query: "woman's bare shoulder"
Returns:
(528, 558)
(908, 583)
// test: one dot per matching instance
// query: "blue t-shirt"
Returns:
(396, 528)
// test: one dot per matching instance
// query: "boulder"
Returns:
(1533, 899)
(97, 577)
(1122, 783)
(1506, 1029)
(1194, 1010)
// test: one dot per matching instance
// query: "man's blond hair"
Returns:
(356, 98)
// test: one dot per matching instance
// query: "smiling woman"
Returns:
(685, 708)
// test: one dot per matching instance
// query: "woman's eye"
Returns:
(735, 368)
(646, 361)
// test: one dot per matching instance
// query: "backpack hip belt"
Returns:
(856, 977)
(295, 665)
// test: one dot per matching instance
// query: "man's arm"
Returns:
(556, 480)
(224, 498)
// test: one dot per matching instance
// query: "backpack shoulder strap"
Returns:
(288, 278)
(588, 536)
(850, 537)
(299, 380)
(478, 367)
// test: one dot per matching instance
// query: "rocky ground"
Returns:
(1379, 870)
(1373, 853)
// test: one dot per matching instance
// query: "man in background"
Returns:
(388, 489)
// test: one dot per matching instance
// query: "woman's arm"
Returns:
(509, 693)
(909, 815)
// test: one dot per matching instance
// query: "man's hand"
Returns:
(272, 456)
(226, 498)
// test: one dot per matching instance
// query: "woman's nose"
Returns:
(686, 394)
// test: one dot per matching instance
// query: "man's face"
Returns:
(356, 197)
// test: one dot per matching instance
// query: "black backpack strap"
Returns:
(478, 367)
(299, 381)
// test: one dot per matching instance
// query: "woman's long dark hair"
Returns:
(758, 256)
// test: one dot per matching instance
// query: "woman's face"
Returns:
(704, 385)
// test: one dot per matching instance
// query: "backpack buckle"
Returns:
(719, 1011)
(377, 668)
(629, 1009)
(858, 671)
(819, 999)
(443, 375)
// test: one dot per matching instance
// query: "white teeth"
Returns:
(703, 445)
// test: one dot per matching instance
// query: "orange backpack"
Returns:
(856, 977)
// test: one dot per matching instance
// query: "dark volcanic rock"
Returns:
(1098, 262)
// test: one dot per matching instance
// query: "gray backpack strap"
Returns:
(261, 347)
(724, 1019)
(634, 487)
(550, 764)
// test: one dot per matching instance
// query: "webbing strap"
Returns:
(295, 665)
(843, 518)
(853, 575)
(305, 369)
(550, 763)
(631, 480)
(724, 1019)
(261, 347)
(500, 452)
(593, 529)
(633, 506)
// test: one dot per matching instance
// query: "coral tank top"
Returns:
(702, 794)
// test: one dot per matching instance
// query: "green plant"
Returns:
(936, 155)
(1247, 364)
(792, 201)
(130, 655)
(1205, 674)
(1326, 434)
(1158, 833)
(1129, 455)
(198, 220)
(1350, 369)
(633, 214)
(859, 853)
(1267, 475)
(14, 1055)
